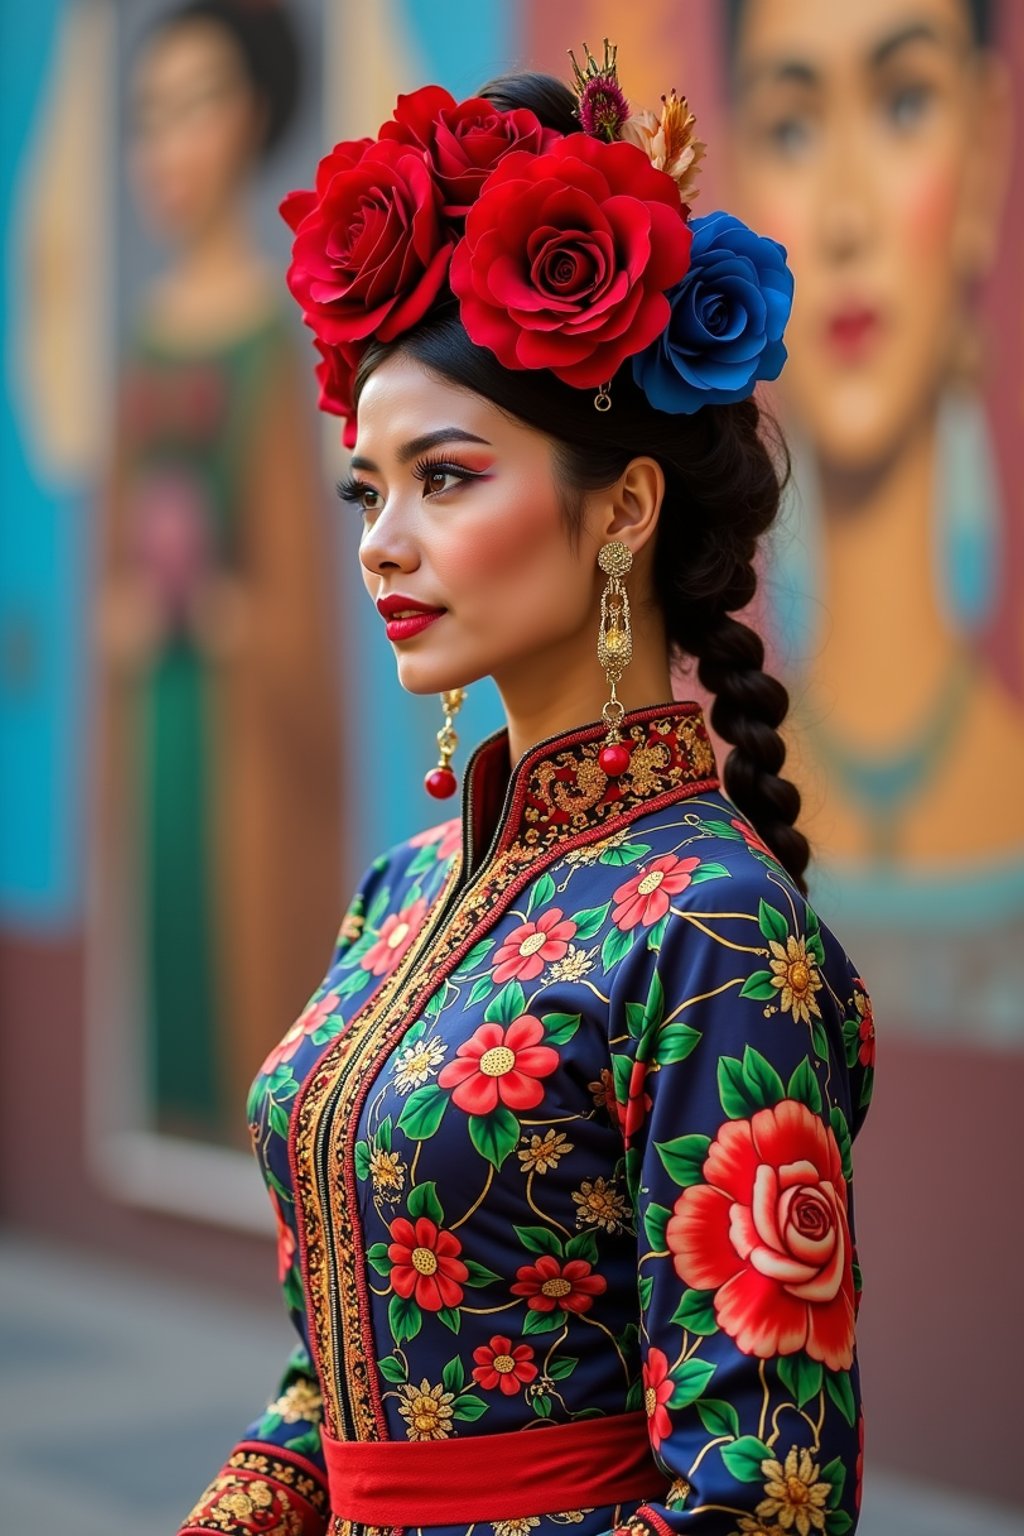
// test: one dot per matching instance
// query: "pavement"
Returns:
(122, 1394)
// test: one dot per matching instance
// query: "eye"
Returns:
(906, 106)
(790, 136)
(359, 493)
(437, 473)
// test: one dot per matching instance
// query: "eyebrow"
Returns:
(800, 72)
(418, 445)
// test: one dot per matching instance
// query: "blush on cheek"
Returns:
(491, 551)
(926, 213)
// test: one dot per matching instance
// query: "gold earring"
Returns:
(614, 652)
(441, 781)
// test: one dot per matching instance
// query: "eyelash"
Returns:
(352, 490)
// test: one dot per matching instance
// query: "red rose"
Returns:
(500, 1066)
(335, 373)
(768, 1232)
(425, 1263)
(371, 247)
(566, 257)
(296, 205)
(464, 140)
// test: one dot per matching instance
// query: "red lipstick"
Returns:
(404, 616)
(853, 331)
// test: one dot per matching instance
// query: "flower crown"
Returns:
(571, 252)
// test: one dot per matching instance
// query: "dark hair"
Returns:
(979, 14)
(722, 493)
(264, 33)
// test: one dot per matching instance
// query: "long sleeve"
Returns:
(736, 1041)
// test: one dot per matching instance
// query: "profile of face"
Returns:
(196, 128)
(462, 516)
(869, 139)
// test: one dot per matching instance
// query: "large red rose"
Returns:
(371, 247)
(335, 373)
(566, 257)
(425, 1263)
(465, 139)
(768, 1232)
(497, 1065)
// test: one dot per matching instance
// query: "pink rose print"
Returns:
(309, 1020)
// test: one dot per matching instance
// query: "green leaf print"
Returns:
(508, 1005)
(423, 1201)
(656, 1219)
(689, 1382)
(837, 1385)
(654, 1008)
(559, 1369)
(835, 1473)
(423, 1112)
(771, 922)
(453, 1377)
(674, 1044)
(758, 985)
(616, 945)
(482, 987)
(744, 1457)
(404, 1318)
(425, 859)
(841, 1131)
(476, 956)
(696, 1313)
(377, 1255)
(541, 892)
(392, 1369)
(624, 853)
(684, 1158)
(469, 1407)
(636, 1013)
(278, 1117)
(590, 921)
(306, 1444)
(378, 907)
(542, 1405)
(838, 1522)
(494, 1135)
(451, 1317)
(709, 871)
(362, 1161)
(746, 1086)
(354, 982)
(820, 1039)
(657, 934)
(559, 1028)
(804, 1086)
(645, 1290)
(801, 1376)
(718, 1417)
(383, 1136)
(539, 1240)
(582, 1246)
(479, 1274)
(813, 939)
(543, 1322)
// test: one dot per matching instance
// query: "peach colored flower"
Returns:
(669, 142)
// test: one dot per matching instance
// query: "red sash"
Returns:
(493, 1477)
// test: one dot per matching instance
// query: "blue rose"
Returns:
(728, 316)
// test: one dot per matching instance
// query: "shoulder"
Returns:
(411, 869)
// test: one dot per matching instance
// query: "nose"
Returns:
(387, 546)
(846, 216)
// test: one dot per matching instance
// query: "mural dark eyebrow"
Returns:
(915, 32)
(418, 445)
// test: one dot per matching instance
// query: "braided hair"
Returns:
(723, 482)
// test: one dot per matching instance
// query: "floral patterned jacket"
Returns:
(565, 1131)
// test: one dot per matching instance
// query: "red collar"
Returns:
(557, 791)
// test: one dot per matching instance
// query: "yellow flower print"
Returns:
(603, 1091)
(797, 977)
(300, 1401)
(387, 1172)
(750, 1525)
(518, 1527)
(600, 1205)
(427, 1410)
(679, 1492)
(573, 966)
(544, 1152)
(794, 1493)
(417, 1062)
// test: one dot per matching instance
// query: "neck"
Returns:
(223, 248)
(565, 687)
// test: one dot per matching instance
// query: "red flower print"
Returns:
(645, 897)
(499, 1065)
(768, 1232)
(285, 1240)
(499, 1365)
(751, 838)
(530, 947)
(549, 1284)
(396, 934)
(657, 1391)
(425, 1263)
(310, 1019)
(866, 1032)
(447, 835)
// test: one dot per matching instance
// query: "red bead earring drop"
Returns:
(615, 652)
(441, 781)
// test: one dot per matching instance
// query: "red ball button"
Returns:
(614, 760)
(441, 783)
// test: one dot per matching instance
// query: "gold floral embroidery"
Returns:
(544, 1152)
(600, 1205)
(573, 966)
(797, 977)
(387, 1172)
(417, 1062)
(519, 1527)
(794, 1493)
(279, 1495)
(300, 1401)
(427, 1410)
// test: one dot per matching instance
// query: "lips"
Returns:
(404, 616)
(853, 330)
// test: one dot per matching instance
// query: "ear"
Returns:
(988, 168)
(631, 507)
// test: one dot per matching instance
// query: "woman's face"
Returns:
(461, 514)
(863, 142)
(196, 128)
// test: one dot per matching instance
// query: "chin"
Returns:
(423, 675)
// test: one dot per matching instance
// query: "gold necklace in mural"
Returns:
(883, 784)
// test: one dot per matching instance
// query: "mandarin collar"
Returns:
(558, 793)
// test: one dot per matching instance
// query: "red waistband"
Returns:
(506, 1476)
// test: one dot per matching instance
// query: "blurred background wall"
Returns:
(272, 754)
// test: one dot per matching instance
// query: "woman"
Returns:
(561, 1143)
(213, 604)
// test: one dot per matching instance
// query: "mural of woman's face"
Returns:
(196, 128)
(867, 140)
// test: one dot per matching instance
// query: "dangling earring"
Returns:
(441, 781)
(614, 652)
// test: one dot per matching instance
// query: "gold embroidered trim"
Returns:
(258, 1491)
